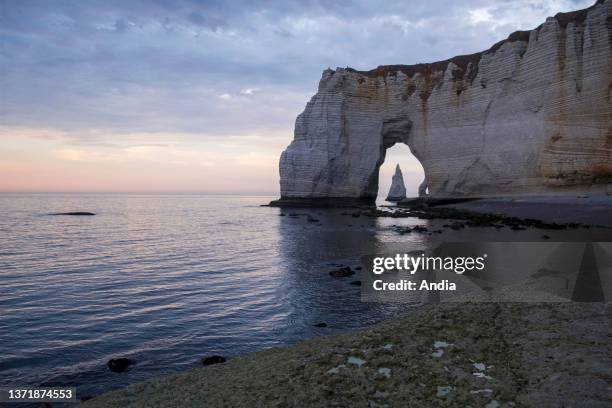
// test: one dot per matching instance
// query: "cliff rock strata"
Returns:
(532, 114)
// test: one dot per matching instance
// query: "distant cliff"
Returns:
(532, 114)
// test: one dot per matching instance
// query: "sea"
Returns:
(165, 280)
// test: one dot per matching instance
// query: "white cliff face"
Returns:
(532, 114)
(397, 192)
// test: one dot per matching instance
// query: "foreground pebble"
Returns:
(443, 391)
(356, 361)
(385, 372)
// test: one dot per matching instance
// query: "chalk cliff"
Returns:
(397, 192)
(532, 114)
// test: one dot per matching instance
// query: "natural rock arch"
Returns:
(397, 142)
(392, 132)
(529, 115)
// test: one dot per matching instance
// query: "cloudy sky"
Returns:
(201, 96)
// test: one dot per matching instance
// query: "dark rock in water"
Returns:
(408, 230)
(210, 360)
(282, 214)
(403, 230)
(74, 213)
(342, 272)
(358, 268)
(457, 225)
(320, 325)
(119, 365)
(545, 236)
(355, 215)
(356, 283)
(311, 219)
(465, 218)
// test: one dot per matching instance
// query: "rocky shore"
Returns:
(465, 354)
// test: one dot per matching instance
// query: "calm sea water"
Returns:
(166, 280)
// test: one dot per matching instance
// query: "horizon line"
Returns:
(144, 193)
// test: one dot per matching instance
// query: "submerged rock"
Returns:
(342, 272)
(457, 225)
(397, 192)
(119, 365)
(77, 213)
(210, 360)
(408, 230)
(322, 324)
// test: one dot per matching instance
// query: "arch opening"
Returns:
(412, 172)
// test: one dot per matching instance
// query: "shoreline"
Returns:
(450, 354)
(547, 352)
(590, 210)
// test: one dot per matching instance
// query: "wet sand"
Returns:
(592, 209)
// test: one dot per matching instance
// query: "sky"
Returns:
(196, 96)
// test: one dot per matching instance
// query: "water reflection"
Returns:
(165, 280)
(309, 250)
